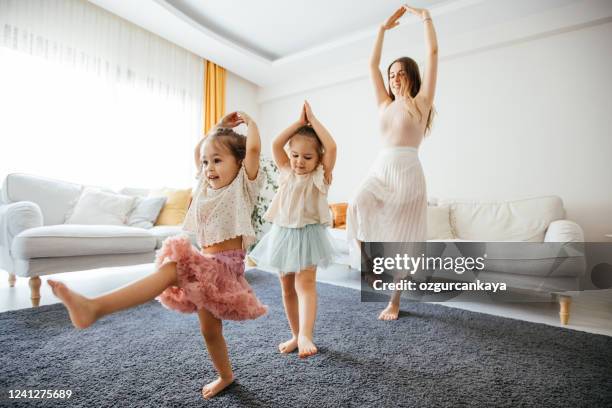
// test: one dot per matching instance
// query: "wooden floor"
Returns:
(591, 314)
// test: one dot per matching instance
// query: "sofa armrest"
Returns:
(17, 217)
(564, 231)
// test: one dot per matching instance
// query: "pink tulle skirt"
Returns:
(214, 282)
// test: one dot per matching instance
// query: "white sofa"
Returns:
(530, 244)
(542, 255)
(34, 240)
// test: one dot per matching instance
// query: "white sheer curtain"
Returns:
(86, 96)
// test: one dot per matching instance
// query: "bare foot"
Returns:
(306, 347)
(391, 312)
(213, 388)
(81, 312)
(288, 346)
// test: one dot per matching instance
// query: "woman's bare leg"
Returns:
(212, 330)
(413, 249)
(290, 301)
(391, 312)
(306, 288)
(84, 311)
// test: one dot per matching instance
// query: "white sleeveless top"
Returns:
(400, 126)
(300, 200)
(225, 213)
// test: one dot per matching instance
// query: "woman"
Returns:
(391, 204)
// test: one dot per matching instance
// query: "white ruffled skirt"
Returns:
(391, 203)
(289, 250)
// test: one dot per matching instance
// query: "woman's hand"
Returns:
(403, 91)
(393, 20)
(420, 13)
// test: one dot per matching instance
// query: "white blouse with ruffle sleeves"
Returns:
(301, 199)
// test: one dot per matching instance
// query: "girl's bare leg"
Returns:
(212, 330)
(84, 311)
(306, 288)
(290, 301)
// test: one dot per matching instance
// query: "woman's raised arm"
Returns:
(430, 75)
(382, 97)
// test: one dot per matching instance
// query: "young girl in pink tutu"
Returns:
(298, 240)
(210, 282)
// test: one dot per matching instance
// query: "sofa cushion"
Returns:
(438, 223)
(175, 208)
(76, 240)
(544, 259)
(145, 211)
(55, 198)
(520, 220)
(96, 207)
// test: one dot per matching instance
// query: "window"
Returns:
(91, 98)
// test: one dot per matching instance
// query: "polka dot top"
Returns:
(225, 213)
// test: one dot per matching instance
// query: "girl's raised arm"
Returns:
(329, 145)
(253, 146)
(278, 144)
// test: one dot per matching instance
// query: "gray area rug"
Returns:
(433, 356)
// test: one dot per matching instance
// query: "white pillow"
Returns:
(101, 208)
(438, 223)
(145, 212)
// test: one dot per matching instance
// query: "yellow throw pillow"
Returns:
(175, 209)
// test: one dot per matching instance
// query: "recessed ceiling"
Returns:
(275, 28)
(288, 46)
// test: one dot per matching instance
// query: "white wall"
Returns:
(523, 119)
(241, 95)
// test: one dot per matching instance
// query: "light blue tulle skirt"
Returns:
(287, 250)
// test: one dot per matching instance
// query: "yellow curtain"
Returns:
(214, 94)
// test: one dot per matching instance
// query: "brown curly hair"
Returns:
(232, 141)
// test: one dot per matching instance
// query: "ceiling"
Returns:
(275, 28)
(271, 42)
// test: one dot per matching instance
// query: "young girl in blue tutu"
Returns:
(298, 241)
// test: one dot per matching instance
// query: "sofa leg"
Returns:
(12, 280)
(564, 309)
(35, 290)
